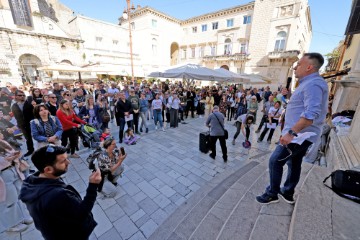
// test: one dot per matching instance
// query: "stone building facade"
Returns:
(263, 37)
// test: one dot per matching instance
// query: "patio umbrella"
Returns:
(190, 71)
(63, 67)
(231, 76)
(256, 79)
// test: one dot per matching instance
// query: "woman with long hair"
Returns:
(36, 96)
(45, 128)
(90, 113)
(243, 123)
(223, 105)
(70, 123)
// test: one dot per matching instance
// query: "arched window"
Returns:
(227, 46)
(280, 41)
(154, 46)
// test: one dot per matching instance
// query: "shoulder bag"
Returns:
(226, 133)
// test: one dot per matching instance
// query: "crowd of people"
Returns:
(51, 118)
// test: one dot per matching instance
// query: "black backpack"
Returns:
(92, 158)
(345, 183)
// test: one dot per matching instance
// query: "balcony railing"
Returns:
(227, 57)
(284, 54)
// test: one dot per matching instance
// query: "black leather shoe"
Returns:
(212, 156)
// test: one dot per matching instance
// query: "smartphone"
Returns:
(95, 165)
(122, 150)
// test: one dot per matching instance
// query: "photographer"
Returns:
(36, 97)
(110, 164)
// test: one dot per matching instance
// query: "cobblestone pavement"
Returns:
(161, 172)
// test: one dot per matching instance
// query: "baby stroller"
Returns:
(90, 136)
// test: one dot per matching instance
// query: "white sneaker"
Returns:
(18, 228)
(163, 129)
(155, 127)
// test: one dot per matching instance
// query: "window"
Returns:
(204, 27)
(238, 70)
(194, 29)
(154, 23)
(202, 51)
(132, 26)
(247, 20)
(213, 50)
(20, 11)
(227, 47)
(230, 22)
(215, 25)
(154, 46)
(192, 52)
(184, 53)
(115, 42)
(286, 11)
(280, 41)
(98, 39)
(243, 48)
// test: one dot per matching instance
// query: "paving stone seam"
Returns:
(232, 212)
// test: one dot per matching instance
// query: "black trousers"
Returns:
(264, 119)
(222, 140)
(272, 130)
(136, 122)
(27, 134)
(73, 137)
(238, 129)
(189, 106)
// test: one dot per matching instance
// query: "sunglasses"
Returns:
(20, 95)
(287, 155)
(52, 97)
(67, 94)
(50, 148)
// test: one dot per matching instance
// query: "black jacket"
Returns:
(122, 107)
(57, 208)
(23, 117)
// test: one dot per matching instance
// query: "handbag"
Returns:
(345, 183)
(105, 117)
(226, 133)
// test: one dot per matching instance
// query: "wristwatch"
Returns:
(291, 132)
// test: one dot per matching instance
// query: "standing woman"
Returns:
(230, 106)
(253, 107)
(102, 105)
(144, 105)
(274, 115)
(223, 105)
(241, 105)
(157, 108)
(36, 96)
(45, 128)
(209, 103)
(70, 123)
(90, 112)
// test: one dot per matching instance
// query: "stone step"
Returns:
(351, 155)
(185, 221)
(312, 217)
(274, 220)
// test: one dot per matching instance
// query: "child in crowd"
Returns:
(105, 135)
(130, 137)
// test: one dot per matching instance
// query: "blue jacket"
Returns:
(38, 128)
(144, 105)
(85, 112)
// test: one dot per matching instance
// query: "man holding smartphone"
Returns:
(58, 210)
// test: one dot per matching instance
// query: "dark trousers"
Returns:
(222, 140)
(294, 162)
(27, 134)
(230, 113)
(262, 135)
(136, 122)
(174, 117)
(189, 106)
(264, 119)
(122, 126)
(73, 137)
(238, 129)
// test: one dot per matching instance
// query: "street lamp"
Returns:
(127, 15)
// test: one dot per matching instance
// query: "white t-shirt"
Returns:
(156, 104)
(273, 111)
(241, 118)
(112, 91)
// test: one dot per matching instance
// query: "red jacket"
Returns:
(68, 121)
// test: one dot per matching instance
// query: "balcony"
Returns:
(284, 54)
(227, 57)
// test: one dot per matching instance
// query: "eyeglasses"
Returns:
(287, 155)
(52, 97)
(67, 94)
(20, 95)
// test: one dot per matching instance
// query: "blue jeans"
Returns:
(158, 117)
(293, 161)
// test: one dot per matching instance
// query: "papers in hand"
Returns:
(129, 118)
(271, 125)
(302, 137)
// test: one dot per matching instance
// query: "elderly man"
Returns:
(215, 122)
(305, 112)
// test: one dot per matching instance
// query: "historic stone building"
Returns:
(263, 37)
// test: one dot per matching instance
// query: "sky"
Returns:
(329, 17)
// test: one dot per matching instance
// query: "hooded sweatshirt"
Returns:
(57, 208)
